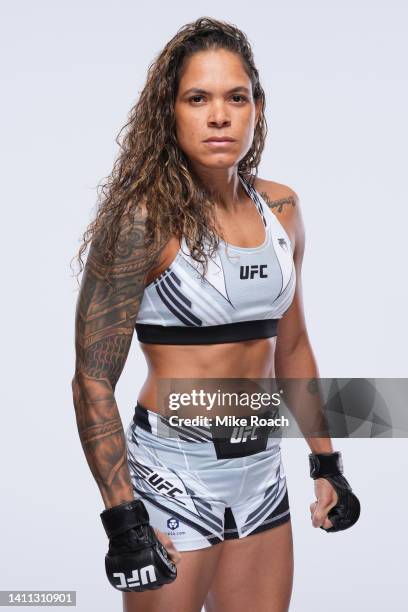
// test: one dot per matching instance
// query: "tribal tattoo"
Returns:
(104, 325)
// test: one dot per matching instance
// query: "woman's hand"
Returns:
(168, 545)
(326, 499)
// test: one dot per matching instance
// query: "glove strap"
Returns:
(325, 464)
(123, 517)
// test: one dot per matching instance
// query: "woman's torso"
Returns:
(248, 242)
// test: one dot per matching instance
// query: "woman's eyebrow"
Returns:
(197, 90)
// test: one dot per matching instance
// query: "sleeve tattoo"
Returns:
(104, 325)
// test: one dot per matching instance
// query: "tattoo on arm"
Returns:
(104, 325)
(280, 203)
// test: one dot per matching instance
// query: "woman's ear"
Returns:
(258, 110)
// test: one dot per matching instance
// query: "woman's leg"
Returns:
(187, 593)
(254, 573)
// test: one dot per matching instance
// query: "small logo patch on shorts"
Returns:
(173, 523)
(173, 527)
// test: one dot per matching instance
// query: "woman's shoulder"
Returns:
(283, 201)
(277, 194)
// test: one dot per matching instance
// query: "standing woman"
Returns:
(183, 217)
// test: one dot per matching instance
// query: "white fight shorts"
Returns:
(200, 489)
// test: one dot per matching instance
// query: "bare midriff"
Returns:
(248, 359)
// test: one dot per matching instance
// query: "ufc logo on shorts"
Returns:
(241, 434)
(250, 271)
(139, 577)
(156, 481)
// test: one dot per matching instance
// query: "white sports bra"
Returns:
(243, 294)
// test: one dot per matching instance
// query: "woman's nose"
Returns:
(218, 115)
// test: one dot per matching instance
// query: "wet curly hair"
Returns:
(151, 166)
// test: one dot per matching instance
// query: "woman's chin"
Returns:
(219, 161)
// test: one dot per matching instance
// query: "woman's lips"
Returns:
(219, 143)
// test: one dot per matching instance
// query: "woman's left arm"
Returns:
(294, 359)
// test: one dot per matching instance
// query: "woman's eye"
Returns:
(241, 98)
(195, 98)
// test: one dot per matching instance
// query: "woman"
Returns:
(204, 258)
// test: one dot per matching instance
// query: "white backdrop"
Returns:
(336, 83)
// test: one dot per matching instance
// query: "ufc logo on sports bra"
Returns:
(143, 576)
(251, 271)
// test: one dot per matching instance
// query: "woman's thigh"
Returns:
(254, 573)
(187, 593)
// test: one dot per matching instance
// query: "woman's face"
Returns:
(214, 100)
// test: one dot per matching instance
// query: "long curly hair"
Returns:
(152, 167)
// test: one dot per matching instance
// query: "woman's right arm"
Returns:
(104, 326)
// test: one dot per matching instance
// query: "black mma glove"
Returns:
(347, 510)
(136, 560)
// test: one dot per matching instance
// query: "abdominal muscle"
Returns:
(247, 359)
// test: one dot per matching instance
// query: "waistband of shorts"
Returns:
(158, 425)
(142, 417)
